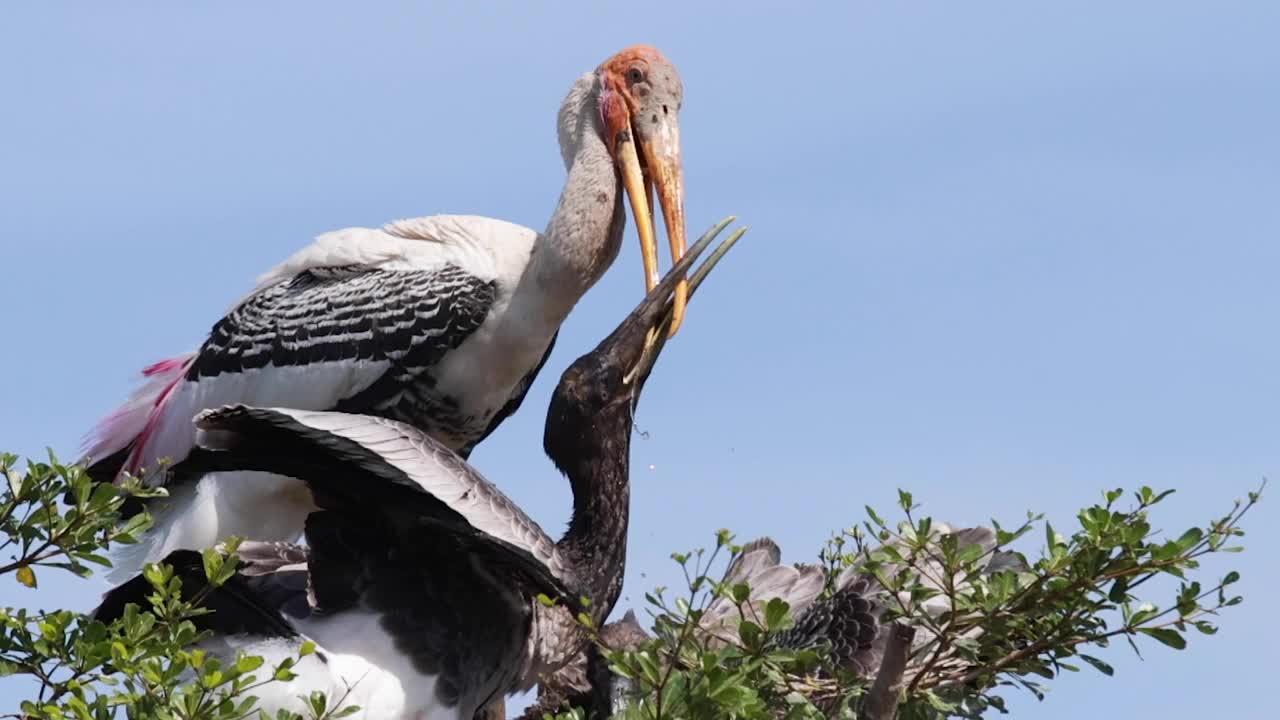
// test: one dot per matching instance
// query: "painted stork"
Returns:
(441, 322)
(846, 622)
(420, 580)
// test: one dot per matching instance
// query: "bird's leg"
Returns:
(658, 335)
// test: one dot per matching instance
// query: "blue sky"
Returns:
(1003, 256)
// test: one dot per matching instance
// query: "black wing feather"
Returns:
(408, 317)
(328, 463)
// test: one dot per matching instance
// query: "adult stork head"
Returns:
(640, 99)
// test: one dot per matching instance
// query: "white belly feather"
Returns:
(360, 668)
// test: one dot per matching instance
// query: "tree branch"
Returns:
(881, 702)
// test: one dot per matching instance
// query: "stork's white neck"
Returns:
(585, 232)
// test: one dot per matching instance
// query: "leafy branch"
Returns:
(971, 617)
(147, 663)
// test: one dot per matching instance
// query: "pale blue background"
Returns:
(1003, 254)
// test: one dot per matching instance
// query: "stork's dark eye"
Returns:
(635, 75)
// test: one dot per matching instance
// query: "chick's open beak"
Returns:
(649, 161)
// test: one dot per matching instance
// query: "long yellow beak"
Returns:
(661, 167)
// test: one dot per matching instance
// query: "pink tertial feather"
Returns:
(133, 422)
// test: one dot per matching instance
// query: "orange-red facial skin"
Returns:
(640, 98)
(617, 99)
(616, 117)
(614, 70)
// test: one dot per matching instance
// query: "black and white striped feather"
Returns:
(408, 322)
(351, 313)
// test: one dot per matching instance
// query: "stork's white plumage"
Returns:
(274, 346)
(441, 322)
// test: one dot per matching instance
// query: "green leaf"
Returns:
(750, 633)
(213, 561)
(1168, 636)
(93, 558)
(1190, 538)
(775, 614)
(1144, 613)
(1119, 590)
(26, 576)
(1051, 538)
(16, 481)
(905, 500)
(621, 669)
(1102, 667)
(1206, 627)
(939, 704)
(318, 703)
(874, 517)
(649, 668)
